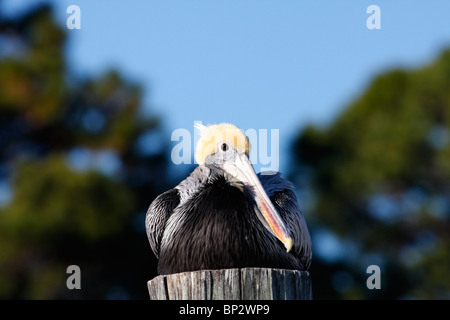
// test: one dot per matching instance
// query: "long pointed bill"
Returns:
(243, 170)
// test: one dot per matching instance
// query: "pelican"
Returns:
(224, 215)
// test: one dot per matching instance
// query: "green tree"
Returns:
(380, 179)
(75, 154)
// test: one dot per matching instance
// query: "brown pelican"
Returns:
(224, 215)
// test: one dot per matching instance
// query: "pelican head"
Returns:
(226, 148)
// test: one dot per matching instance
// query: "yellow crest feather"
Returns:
(211, 135)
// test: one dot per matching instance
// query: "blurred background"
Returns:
(86, 118)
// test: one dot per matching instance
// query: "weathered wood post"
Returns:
(232, 284)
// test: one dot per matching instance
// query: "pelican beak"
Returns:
(243, 170)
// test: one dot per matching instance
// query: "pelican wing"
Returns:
(158, 213)
(163, 206)
(281, 193)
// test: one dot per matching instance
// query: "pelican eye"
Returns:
(224, 147)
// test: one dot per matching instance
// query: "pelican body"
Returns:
(224, 215)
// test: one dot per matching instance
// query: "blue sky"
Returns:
(261, 64)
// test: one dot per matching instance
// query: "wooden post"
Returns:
(232, 284)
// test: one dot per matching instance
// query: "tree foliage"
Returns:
(71, 154)
(380, 176)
